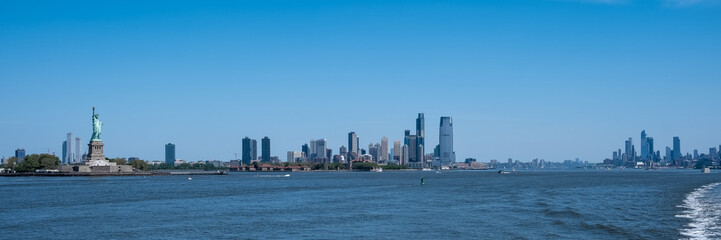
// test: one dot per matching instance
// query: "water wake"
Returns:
(704, 212)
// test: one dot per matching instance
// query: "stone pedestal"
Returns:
(95, 156)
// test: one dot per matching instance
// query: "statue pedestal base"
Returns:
(95, 156)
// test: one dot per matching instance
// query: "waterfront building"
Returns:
(170, 154)
(353, 143)
(247, 148)
(78, 154)
(65, 153)
(420, 136)
(445, 139)
(306, 150)
(265, 145)
(294, 156)
(343, 151)
(19, 155)
(68, 153)
(630, 151)
(253, 149)
(413, 156)
(644, 145)
(676, 148)
(404, 155)
(397, 150)
(383, 156)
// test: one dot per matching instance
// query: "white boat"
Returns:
(287, 175)
(426, 169)
(706, 170)
(378, 170)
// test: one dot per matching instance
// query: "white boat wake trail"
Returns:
(703, 209)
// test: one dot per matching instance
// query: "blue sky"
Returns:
(522, 79)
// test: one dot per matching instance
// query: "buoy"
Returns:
(422, 181)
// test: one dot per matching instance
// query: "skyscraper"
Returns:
(353, 143)
(246, 156)
(253, 149)
(406, 133)
(306, 150)
(65, 152)
(69, 149)
(630, 155)
(19, 155)
(445, 140)
(676, 148)
(170, 154)
(343, 151)
(420, 136)
(644, 145)
(413, 149)
(397, 150)
(265, 144)
(383, 156)
(78, 154)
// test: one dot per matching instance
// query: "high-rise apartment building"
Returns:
(676, 148)
(246, 156)
(420, 137)
(383, 156)
(19, 155)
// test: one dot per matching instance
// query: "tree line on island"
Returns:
(34, 162)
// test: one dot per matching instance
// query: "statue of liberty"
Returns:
(97, 127)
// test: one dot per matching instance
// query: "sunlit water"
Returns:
(629, 204)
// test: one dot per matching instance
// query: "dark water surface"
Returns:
(629, 204)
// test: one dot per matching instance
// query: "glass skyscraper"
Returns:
(170, 154)
(246, 154)
(265, 154)
(445, 140)
(20, 155)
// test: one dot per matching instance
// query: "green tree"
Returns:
(10, 163)
(255, 165)
(38, 161)
(139, 164)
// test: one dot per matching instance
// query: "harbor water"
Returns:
(575, 204)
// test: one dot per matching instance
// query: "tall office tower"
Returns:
(712, 153)
(65, 152)
(19, 155)
(320, 149)
(404, 155)
(644, 145)
(353, 143)
(293, 156)
(77, 151)
(669, 154)
(170, 154)
(397, 150)
(629, 150)
(246, 156)
(405, 136)
(384, 150)
(413, 149)
(329, 155)
(420, 136)
(313, 150)
(69, 149)
(265, 144)
(651, 151)
(343, 151)
(445, 140)
(253, 149)
(306, 150)
(676, 148)
(695, 154)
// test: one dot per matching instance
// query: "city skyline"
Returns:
(562, 79)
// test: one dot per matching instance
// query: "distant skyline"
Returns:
(553, 80)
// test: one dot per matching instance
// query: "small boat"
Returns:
(190, 178)
(287, 175)
(378, 170)
(706, 170)
(426, 169)
(503, 172)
